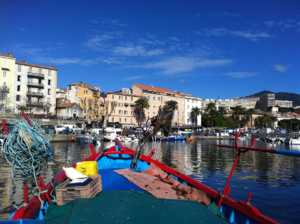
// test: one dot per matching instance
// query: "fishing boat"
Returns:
(137, 188)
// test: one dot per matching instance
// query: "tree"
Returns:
(138, 110)
(108, 114)
(195, 112)
(237, 111)
(170, 105)
(248, 115)
(211, 109)
(222, 111)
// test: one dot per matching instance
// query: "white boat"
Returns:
(292, 141)
(111, 133)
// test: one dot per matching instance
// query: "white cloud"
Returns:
(177, 65)
(249, 34)
(280, 68)
(136, 51)
(133, 78)
(240, 74)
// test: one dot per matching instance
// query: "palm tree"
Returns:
(195, 112)
(237, 111)
(249, 114)
(170, 105)
(211, 109)
(222, 111)
(138, 110)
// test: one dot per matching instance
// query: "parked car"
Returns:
(73, 128)
(60, 129)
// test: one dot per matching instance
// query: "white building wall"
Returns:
(191, 102)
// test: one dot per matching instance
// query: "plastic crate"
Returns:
(66, 194)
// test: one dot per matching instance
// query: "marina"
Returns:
(268, 176)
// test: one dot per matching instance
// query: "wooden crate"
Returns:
(66, 194)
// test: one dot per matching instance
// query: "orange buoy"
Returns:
(73, 139)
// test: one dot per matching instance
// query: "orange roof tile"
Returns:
(159, 90)
(38, 66)
(64, 105)
(7, 55)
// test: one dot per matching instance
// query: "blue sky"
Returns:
(208, 48)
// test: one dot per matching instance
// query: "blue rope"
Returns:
(27, 149)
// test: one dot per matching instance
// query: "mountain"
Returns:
(281, 96)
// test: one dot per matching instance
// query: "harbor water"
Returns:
(274, 180)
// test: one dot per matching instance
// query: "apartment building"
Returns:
(248, 103)
(32, 86)
(190, 103)
(123, 112)
(88, 97)
(7, 65)
(157, 97)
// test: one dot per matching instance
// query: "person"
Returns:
(67, 130)
(94, 138)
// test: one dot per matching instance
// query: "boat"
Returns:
(128, 195)
(111, 133)
(86, 139)
(292, 139)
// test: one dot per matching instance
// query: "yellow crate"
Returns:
(87, 167)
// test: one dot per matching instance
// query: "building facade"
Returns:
(157, 98)
(88, 97)
(190, 103)
(30, 86)
(7, 65)
(123, 111)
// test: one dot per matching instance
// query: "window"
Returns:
(120, 120)
(5, 63)
(4, 84)
(182, 113)
(48, 100)
(125, 119)
(112, 96)
(18, 88)
(49, 91)
(125, 97)
(154, 98)
(131, 120)
(125, 112)
(18, 98)
(30, 69)
(29, 80)
(120, 104)
(113, 119)
(148, 97)
(49, 82)
(49, 73)
(132, 98)
(4, 73)
(131, 113)
(40, 71)
(120, 97)
(85, 92)
(19, 68)
(113, 112)
(120, 112)
(153, 104)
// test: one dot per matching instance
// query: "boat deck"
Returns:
(123, 202)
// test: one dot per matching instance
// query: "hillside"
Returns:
(281, 96)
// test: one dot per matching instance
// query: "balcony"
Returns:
(35, 84)
(35, 94)
(4, 89)
(36, 75)
(34, 104)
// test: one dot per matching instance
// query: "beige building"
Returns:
(123, 112)
(30, 85)
(157, 97)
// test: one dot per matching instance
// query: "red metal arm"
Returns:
(27, 119)
(4, 127)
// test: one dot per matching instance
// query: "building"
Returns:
(70, 110)
(190, 103)
(157, 98)
(247, 103)
(268, 100)
(88, 97)
(7, 65)
(123, 111)
(31, 86)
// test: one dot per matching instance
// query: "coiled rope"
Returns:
(27, 149)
